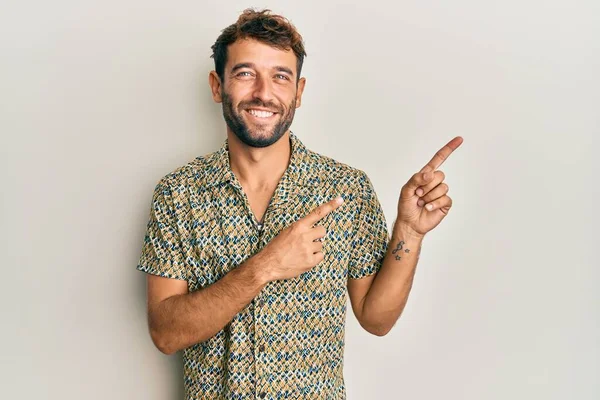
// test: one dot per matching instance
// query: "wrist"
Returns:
(405, 232)
(259, 270)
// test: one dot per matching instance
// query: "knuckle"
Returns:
(298, 228)
(441, 175)
(306, 237)
(319, 257)
(405, 190)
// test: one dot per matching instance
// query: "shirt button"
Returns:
(261, 302)
(261, 348)
(262, 395)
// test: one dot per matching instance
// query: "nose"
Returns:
(263, 89)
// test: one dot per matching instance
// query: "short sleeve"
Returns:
(371, 239)
(162, 252)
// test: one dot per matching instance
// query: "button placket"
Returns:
(261, 358)
(258, 303)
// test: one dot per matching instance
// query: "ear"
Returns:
(299, 91)
(215, 86)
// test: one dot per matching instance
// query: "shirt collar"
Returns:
(297, 172)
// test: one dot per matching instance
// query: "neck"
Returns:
(259, 167)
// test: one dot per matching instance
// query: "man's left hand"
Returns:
(423, 200)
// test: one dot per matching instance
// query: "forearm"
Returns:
(389, 291)
(184, 320)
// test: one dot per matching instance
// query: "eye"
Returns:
(243, 72)
(283, 76)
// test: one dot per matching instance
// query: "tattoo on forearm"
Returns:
(399, 249)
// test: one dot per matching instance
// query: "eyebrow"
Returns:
(251, 65)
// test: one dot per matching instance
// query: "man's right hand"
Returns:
(295, 250)
(178, 319)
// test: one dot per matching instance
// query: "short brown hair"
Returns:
(274, 30)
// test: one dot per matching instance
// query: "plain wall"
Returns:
(99, 100)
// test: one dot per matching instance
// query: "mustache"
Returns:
(259, 103)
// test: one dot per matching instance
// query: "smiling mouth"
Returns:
(260, 114)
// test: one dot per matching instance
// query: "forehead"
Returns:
(260, 54)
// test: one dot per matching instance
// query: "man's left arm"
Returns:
(378, 299)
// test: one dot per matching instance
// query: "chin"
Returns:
(259, 139)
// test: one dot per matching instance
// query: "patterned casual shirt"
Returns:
(288, 343)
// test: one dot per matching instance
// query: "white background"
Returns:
(101, 99)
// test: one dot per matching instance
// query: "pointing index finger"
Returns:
(442, 154)
(323, 210)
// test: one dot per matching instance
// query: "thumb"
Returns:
(426, 174)
(421, 178)
(426, 168)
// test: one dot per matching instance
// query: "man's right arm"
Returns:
(178, 319)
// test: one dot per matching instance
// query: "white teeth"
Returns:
(260, 114)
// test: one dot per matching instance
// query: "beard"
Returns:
(258, 135)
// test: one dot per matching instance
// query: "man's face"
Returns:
(259, 92)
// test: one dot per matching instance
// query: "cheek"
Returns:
(238, 93)
(284, 92)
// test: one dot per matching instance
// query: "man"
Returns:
(249, 250)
